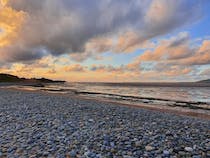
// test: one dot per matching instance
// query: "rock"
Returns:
(208, 153)
(182, 153)
(166, 153)
(196, 156)
(188, 149)
(90, 120)
(45, 153)
(127, 156)
(112, 144)
(137, 143)
(87, 153)
(72, 153)
(149, 148)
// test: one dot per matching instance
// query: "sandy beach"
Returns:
(38, 124)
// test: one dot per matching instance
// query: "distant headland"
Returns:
(39, 82)
(205, 81)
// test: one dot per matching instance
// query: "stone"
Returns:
(112, 144)
(166, 153)
(137, 143)
(46, 153)
(72, 153)
(149, 148)
(90, 120)
(127, 156)
(181, 153)
(188, 149)
(196, 156)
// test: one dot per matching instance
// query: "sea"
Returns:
(178, 96)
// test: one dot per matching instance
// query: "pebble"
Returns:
(166, 153)
(196, 156)
(188, 149)
(149, 148)
(91, 120)
(137, 143)
(127, 156)
(72, 154)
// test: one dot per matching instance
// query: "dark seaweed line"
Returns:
(125, 97)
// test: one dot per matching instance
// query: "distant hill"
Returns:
(9, 78)
(45, 80)
(12, 78)
(204, 81)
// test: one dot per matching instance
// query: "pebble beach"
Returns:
(35, 125)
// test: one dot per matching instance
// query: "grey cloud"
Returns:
(107, 68)
(113, 69)
(65, 26)
(181, 40)
(17, 53)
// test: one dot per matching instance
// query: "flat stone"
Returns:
(91, 120)
(137, 143)
(188, 149)
(127, 156)
(182, 153)
(149, 148)
(166, 152)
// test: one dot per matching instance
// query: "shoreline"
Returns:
(142, 106)
(169, 111)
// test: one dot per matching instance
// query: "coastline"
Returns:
(117, 103)
(152, 108)
(40, 124)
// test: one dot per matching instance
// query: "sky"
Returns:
(106, 40)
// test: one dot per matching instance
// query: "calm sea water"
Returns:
(194, 94)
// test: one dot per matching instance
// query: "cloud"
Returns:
(109, 69)
(171, 49)
(10, 23)
(167, 69)
(70, 26)
(122, 69)
(174, 57)
(75, 68)
(164, 15)
(200, 57)
(178, 51)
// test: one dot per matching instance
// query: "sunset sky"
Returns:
(106, 40)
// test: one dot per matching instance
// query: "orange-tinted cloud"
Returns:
(172, 49)
(75, 68)
(10, 24)
(201, 56)
(3, 3)
(183, 53)
(173, 57)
